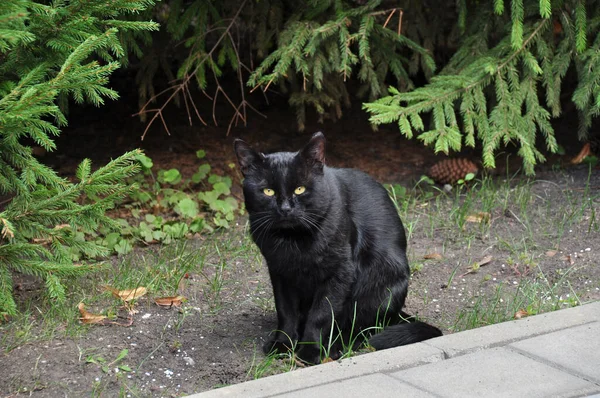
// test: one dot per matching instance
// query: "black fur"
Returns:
(338, 247)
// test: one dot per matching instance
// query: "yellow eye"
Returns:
(299, 190)
(269, 192)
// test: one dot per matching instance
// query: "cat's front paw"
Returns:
(277, 346)
(309, 354)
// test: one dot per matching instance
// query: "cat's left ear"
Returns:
(247, 157)
(314, 151)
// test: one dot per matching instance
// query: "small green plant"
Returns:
(416, 267)
(464, 181)
(531, 296)
(106, 366)
(270, 364)
(167, 206)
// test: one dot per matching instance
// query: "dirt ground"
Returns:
(175, 352)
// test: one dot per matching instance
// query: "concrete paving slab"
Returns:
(475, 369)
(375, 385)
(508, 332)
(496, 372)
(576, 349)
(386, 360)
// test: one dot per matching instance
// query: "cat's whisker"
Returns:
(263, 234)
(262, 226)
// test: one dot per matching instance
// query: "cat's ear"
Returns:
(314, 151)
(247, 157)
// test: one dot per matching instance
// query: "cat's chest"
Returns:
(298, 250)
(304, 258)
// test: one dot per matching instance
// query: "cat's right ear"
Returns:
(247, 157)
(314, 151)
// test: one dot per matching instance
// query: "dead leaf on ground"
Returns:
(585, 151)
(169, 302)
(521, 314)
(475, 267)
(88, 317)
(327, 360)
(551, 253)
(128, 294)
(485, 261)
(568, 259)
(433, 256)
(479, 217)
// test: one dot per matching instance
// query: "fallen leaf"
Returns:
(568, 259)
(327, 360)
(585, 151)
(551, 253)
(88, 317)
(475, 267)
(479, 217)
(127, 295)
(484, 261)
(521, 314)
(169, 301)
(433, 256)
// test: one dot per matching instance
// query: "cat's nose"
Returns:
(285, 208)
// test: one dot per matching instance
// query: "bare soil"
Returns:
(208, 345)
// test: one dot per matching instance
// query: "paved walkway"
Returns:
(549, 355)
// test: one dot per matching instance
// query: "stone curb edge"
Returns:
(413, 355)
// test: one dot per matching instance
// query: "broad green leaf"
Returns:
(123, 247)
(197, 225)
(221, 188)
(187, 208)
(144, 161)
(172, 176)
(201, 174)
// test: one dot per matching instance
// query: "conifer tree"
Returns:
(475, 73)
(503, 84)
(51, 52)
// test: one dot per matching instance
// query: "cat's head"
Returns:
(286, 189)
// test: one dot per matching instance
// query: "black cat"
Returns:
(335, 248)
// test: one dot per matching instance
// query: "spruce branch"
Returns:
(47, 51)
(503, 125)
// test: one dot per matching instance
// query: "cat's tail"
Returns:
(404, 333)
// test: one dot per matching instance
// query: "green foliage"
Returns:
(326, 43)
(199, 204)
(489, 92)
(309, 49)
(49, 53)
(106, 365)
(503, 65)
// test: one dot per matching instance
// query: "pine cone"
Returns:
(449, 171)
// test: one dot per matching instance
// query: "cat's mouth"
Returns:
(288, 221)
